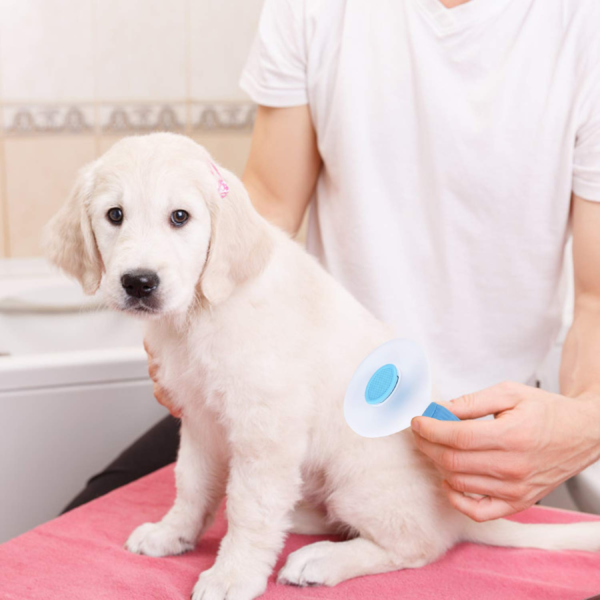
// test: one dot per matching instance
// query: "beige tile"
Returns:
(40, 172)
(229, 149)
(140, 50)
(106, 141)
(3, 239)
(46, 50)
(221, 34)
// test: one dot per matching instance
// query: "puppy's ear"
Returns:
(240, 244)
(69, 241)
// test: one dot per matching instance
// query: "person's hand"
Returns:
(537, 441)
(160, 393)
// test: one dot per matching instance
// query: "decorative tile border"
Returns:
(210, 117)
(33, 119)
(28, 119)
(142, 118)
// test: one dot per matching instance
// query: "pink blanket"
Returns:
(81, 556)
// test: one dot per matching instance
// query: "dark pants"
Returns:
(154, 450)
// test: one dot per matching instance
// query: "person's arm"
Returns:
(580, 368)
(283, 166)
(538, 439)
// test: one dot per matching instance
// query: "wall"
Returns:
(77, 75)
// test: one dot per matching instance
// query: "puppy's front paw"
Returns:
(159, 539)
(311, 565)
(219, 584)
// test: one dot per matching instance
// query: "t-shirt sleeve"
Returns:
(586, 161)
(275, 72)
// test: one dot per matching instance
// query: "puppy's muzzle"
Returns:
(140, 283)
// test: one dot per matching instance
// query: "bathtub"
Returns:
(74, 391)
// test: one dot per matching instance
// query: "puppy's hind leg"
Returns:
(330, 563)
(201, 478)
(395, 530)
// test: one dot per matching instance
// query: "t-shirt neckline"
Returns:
(449, 20)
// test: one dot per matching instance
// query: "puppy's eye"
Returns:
(115, 216)
(179, 217)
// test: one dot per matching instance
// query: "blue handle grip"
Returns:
(435, 411)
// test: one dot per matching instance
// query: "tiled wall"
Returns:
(77, 75)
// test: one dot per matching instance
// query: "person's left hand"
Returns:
(537, 441)
(160, 393)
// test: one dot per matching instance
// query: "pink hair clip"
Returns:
(223, 187)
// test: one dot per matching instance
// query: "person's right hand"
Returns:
(160, 393)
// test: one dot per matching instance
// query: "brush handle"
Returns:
(436, 411)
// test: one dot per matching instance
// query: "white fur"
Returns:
(256, 344)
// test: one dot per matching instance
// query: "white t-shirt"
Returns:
(451, 141)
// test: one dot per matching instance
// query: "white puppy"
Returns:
(256, 344)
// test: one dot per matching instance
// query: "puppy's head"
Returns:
(157, 225)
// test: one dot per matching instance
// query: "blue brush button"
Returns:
(436, 411)
(382, 384)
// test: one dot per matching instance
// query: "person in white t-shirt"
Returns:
(449, 148)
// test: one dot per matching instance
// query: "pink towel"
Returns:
(80, 556)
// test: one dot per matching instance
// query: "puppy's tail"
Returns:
(571, 536)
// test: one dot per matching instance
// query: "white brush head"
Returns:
(390, 387)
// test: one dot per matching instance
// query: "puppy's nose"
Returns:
(140, 284)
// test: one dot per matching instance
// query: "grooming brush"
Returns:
(390, 387)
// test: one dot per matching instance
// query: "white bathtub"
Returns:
(74, 391)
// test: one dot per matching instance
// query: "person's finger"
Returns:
(152, 370)
(479, 509)
(161, 395)
(485, 486)
(489, 401)
(175, 412)
(164, 399)
(464, 435)
(476, 462)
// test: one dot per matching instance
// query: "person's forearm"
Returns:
(283, 165)
(274, 209)
(580, 367)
